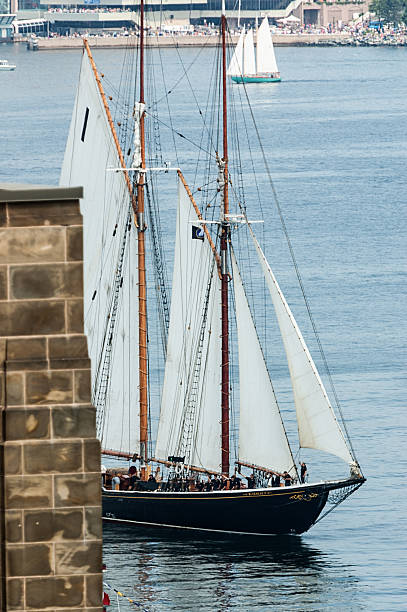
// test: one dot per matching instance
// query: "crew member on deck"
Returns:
(288, 481)
(251, 482)
(303, 472)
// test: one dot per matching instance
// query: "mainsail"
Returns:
(236, 63)
(189, 419)
(110, 273)
(262, 437)
(248, 54)
(317, 424)
(266, 59)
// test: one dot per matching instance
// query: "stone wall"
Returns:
(51, 549)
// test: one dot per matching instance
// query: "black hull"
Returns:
(286, 510)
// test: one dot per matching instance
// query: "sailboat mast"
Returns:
(141, 262)
(224, 267)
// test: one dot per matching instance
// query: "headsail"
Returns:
(317, 424)
(249, 57)
(236, 63)
(266, 59)
(189, 420)
(262, 437)
(109, 242)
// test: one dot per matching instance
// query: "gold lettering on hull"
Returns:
(304, 496)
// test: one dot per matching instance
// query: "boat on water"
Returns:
(250, 66)
(5, 65)
(190, 479)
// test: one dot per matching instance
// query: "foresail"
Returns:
(236, 63)
(266, 59)
(262, 437)
(109, 242)
(317, 424)
(249, 62)
(190, 408)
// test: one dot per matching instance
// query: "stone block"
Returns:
(26, 354)
(77, 490)
(3, 283)
(12, 459)
(82, 387)
(28, 492)
(32, 282)
(26, 349)
(29, 560)
(27, 424)
(53, 387)
(44, 213)
(15, 594)
(73, 421)
(33, 317)
(14, 526)
(94, 589)
(74, 317)
(78, 558)
(29, 245)
(91, 452)
(53, 525)
(49, 457)
(74, 243)
(68, 352)
(63, 592)
(93, 523)
(15, 389)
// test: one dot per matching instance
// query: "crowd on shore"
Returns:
(358, 34)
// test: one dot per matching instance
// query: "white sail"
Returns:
(190, 407)
(249, 63)
(317, 424)
(262, 437)
(90, 152)
(266, 59)
(236, 63)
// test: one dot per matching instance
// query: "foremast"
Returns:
(141, 227)
(224, 240)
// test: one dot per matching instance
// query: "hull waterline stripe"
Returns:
(248, 533)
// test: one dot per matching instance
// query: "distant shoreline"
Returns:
(119, 42)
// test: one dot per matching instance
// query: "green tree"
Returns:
(390, 11)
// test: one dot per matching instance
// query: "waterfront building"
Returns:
(6, 26)
(122, 15)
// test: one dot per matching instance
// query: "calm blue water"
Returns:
(335, 135)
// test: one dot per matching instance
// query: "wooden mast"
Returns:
(142, 266)
(224, 268)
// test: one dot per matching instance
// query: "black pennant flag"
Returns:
(197, 233)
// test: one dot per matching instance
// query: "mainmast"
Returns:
(141, 261)
(224, 265)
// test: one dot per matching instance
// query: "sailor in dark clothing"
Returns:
(287, 479)
(223, 482)
(277, 480)
(303, 472)
(208, 484)
(251, 482)
(234, 482)
(215, 483)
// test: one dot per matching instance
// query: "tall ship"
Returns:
(210, 466)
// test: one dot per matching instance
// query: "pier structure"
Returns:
(50, 501)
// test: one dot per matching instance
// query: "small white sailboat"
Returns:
(244, 68)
